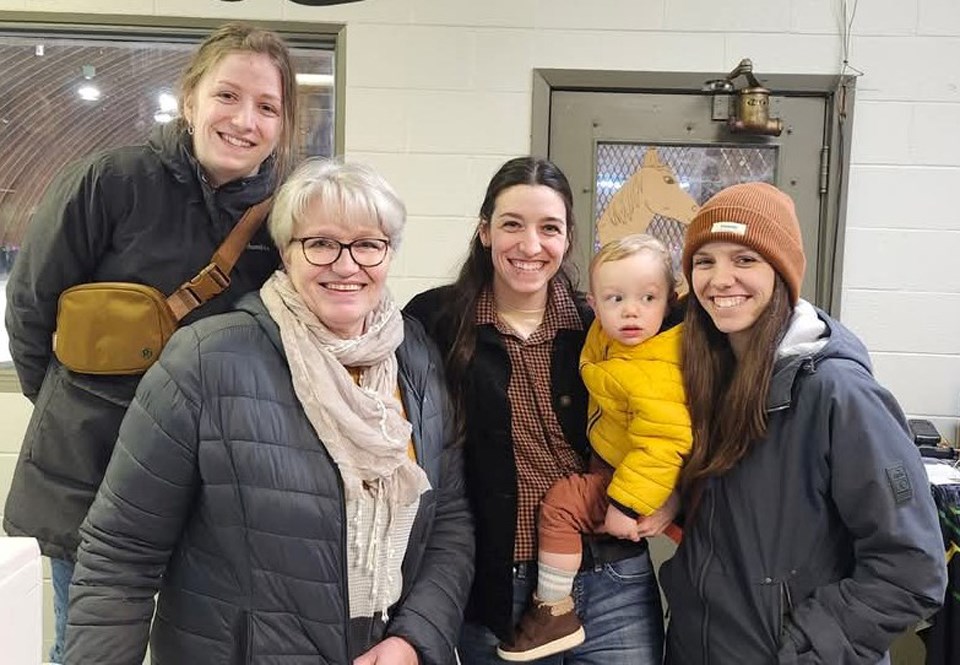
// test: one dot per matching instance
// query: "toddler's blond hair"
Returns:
(627, 246)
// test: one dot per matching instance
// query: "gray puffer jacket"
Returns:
(820, 546)
(220, 495)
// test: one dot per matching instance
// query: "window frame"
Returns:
(172, 29)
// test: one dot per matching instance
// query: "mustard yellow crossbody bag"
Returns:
(121, 327)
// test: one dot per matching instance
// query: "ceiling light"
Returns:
(315, 80)
(89, 93)
(168, 103)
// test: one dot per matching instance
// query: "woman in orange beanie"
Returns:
(811, 534)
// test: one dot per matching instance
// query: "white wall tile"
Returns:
(939, 17)
(8, 461)
(935, 134)
(142, 7)
(815, 16)
(469, 123)
(877, 197)
(482, 170)
(49, 621)
(405, 288)
(503, 13)
(368, 11)
(885, 18)
(575, 14)
(902, 260)
(435, 247)
(871, 18)
(667, 51)
(900, 322)
(783, 54)
(881, 133)
(410, 57)
(376, 120)
(265, 10)
(15, 411)
(728, 15)
(925, 385)
(429, 184)
(907, 68)
(505, 59)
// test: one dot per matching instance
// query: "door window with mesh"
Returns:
(657, 189)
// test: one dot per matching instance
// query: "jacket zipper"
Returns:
(344, 587)
(246, 645)
(701, 584)
(786, 610)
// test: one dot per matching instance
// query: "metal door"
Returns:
(603, 139)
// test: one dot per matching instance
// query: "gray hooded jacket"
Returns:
(822, 545)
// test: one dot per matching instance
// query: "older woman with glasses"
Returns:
(287, 476)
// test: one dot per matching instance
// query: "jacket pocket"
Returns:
(631, 570)
(417, 542)
(787, 654)
(51, 385)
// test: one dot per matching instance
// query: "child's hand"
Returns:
(620, 525)
(656, 522)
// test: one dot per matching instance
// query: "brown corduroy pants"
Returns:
(574, 505)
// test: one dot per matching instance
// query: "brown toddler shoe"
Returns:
(545, 629)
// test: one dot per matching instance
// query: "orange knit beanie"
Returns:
(756, 215)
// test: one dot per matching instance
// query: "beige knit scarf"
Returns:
(361, 426)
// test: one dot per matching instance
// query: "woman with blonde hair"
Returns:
(287, 476)
(152, 214)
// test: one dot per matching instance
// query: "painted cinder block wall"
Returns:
(438, 94)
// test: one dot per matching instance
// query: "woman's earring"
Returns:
(189, 129)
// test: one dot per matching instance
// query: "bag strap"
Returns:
(215, 276)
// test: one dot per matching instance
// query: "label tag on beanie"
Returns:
(729, 227)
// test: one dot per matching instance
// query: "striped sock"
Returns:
(554, 584)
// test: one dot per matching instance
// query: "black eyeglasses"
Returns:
(365, 252)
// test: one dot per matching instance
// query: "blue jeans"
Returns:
(619, 604)
(61, 572)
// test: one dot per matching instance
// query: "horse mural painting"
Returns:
(651, 192)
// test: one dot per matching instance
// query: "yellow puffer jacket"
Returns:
(638, 419)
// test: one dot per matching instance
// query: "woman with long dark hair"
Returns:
(511, 329)
(811, 534)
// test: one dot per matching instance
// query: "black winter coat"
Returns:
(138, 214)
(491, 470)
(221, 495)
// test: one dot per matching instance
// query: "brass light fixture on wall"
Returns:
(750, 111)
